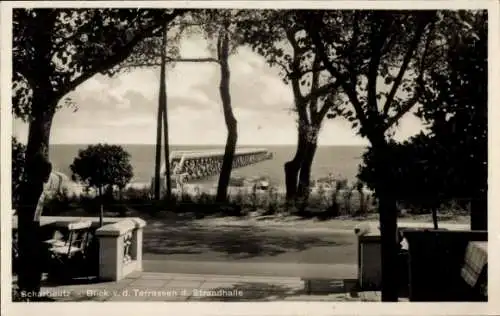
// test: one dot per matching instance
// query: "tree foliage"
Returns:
(381, 59)
(374, 55)
(449, 161)
(223, 31)
(456, 110)
(55, 50)
(416, 179)
(285, 45)
(102, 166)
(283, 42)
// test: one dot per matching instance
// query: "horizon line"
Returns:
(188, 144)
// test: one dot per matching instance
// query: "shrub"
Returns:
(335, 207)
(341, 184)
(238, 198)
(272, 206)
(102, 167)
(136, 194)
(59, 202)
(346, 202)
(254, 199)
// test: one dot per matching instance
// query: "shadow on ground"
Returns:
(236, 242)
(341, 290)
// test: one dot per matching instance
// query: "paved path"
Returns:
(237, 242)
(166, 287)
(188, 241)
(273, 269)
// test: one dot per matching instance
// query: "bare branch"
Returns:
(193, 60)
(349, 87)
(378, 38)
(313, 102)
(419, 87)
(352, 46)
(404, 109)
(152, 63)
(330, 87)
(314, 69)
(113, 60)
(327, 105)
(406, 61)
(283, 66)
(387, 46)
(300, 104)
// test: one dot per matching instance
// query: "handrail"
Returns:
(183, 155)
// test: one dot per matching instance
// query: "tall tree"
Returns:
(455, 107)
(429, 168)
(222, 28)
(285, 45)
(54, 51)
(163, 104)
(359, 48)
(219, 28)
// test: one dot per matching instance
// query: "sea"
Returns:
(339, 161)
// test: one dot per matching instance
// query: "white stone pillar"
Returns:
(113, 265)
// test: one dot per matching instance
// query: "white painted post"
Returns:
(112, 265)
(110, 257)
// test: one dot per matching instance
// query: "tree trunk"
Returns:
(231, 123)
(30, 273)
(305, 177)
(388, 221)
(362, 205)
(479, 202)
(434, 217)
(479, 212)
(101, 206)
(292, 167)
(388, 228)
(163, 104)
(158, 153)
(305, 166)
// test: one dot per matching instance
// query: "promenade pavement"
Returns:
(176, 287)
(265, 269)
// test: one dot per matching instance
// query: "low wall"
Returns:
(369, 252)
(435, 260)
(119, 242)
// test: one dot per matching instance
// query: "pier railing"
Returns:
(194, 165)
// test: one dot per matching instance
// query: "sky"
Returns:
(122, 109)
